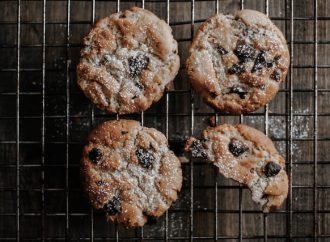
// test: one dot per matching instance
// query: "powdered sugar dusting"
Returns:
(127, 60)
(224, 147)
(135, 171)
(232, 60)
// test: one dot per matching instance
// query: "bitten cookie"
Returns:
(248, 156)
(127, 61)
(129, 172)
(237, 62)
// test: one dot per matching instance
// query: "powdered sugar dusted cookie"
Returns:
(237, 62)
(248, 156)
(129, 172)
(127, 61)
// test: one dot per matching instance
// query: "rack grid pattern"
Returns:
(44, 119)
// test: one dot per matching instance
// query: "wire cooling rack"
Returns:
(44, 120)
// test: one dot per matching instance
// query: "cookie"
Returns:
(127, 61)
(246, 155)
(237, 62)
(129, 172)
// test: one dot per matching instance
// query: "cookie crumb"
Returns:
(195, 147)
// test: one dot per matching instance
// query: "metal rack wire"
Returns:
(16, 160)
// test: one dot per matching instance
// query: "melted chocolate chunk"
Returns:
(137, 64)
(272, 169)
(100, 183)
(197, 150)
(260, 62)
(236, 69)
(237, 147)
(239, 90)
(95, 155)
(275, 75)
(245, 52)
(221, 50)
(145, 158)
(113, 206)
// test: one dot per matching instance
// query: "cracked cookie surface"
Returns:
(246, 155)
(127, 61)
(129, 172)
(237, 62)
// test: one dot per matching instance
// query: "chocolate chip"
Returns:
(237, 147)
(124, 132)
(245, 52)
(239, 90)
(122, 15)
(113, 206)
(139, 85)
(275, 75)
(272, 169)
(250, 32)
(269, 64)
(276, 59)
(100, 183)
(95, 155)
(260, 62)
(221, 50)
(105, 60)
(213, 95)
(145, 158)
(204, 139)
(236, 69)
(197, 150)
(137, 64)
(151, 220)
(262, 87)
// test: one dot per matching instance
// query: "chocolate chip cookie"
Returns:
(129, 172)
(237, 62)
(127, 61)
(248, 156)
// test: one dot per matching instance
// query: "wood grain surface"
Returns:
(52, 205)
